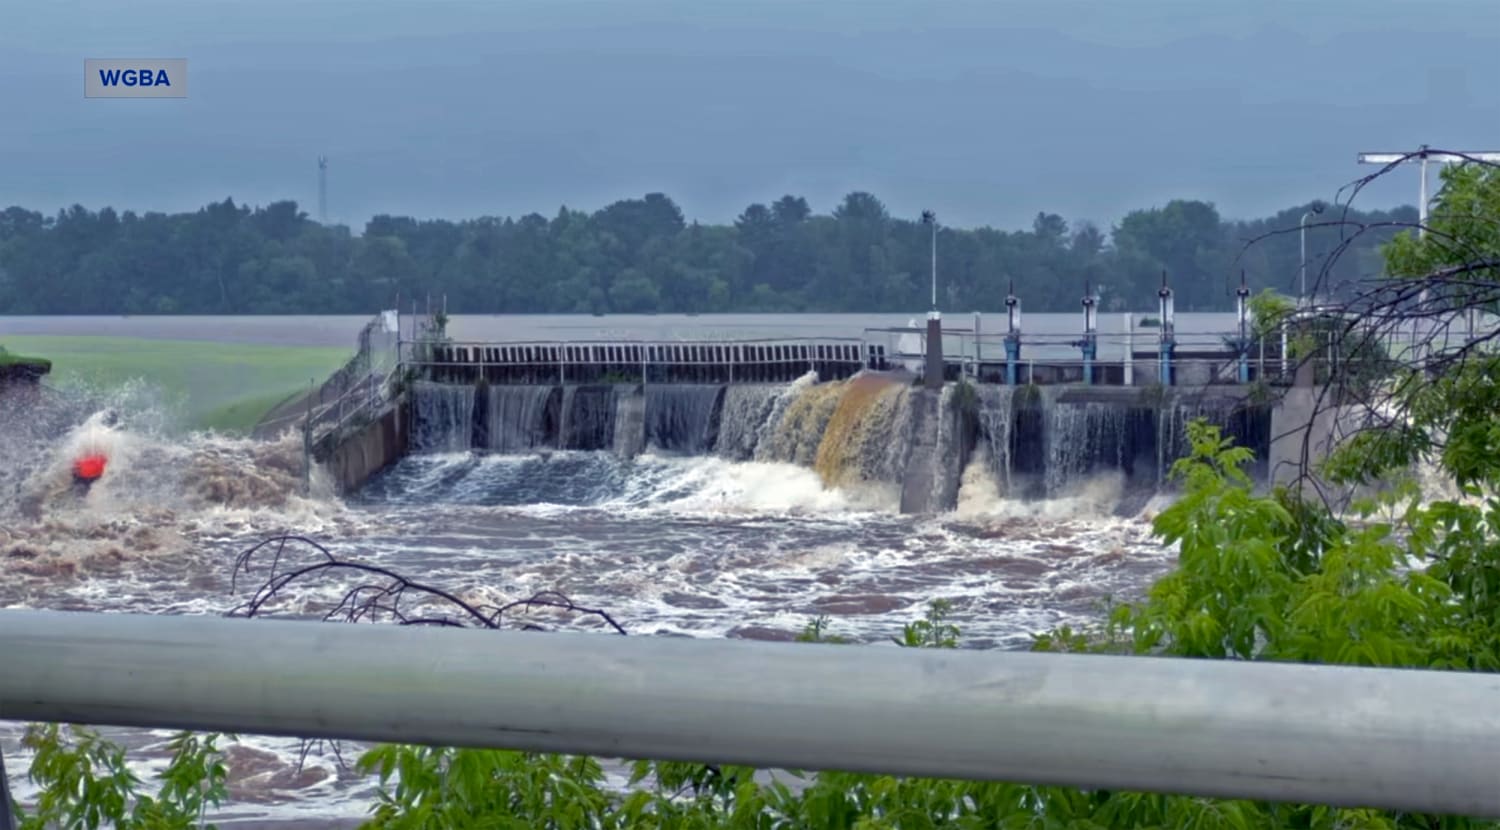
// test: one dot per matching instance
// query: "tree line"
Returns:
(642, 255)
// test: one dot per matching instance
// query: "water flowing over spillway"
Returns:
(795, 436)
(683, 419)
(996, 416)
(868, 435)
(747, 408)
(588, 418)
(442, 417)
(874, 429)
(1081, 439)
(521, 418)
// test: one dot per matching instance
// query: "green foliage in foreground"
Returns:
(87, 784)
(1259, 577)
(222, 386)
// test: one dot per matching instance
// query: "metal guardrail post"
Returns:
(1284, 354)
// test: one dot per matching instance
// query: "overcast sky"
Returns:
(986, 112)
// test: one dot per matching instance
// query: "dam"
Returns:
(906, 409)
(874, 428)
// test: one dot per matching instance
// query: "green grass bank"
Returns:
(222, 386)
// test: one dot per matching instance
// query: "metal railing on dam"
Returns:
(1423, 741)
(783, 360)
(584, 361)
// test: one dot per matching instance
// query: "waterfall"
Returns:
(442, 417)
(1172, 419)
(1170, 438)
(1246, 428)
(1081, 438)
(873, 428)
(746, 410)
(797, 434)
(996, 419)
(630, 421)
(867, 436)
(766, 435)
(587, 418)
(683, 418)
(953, 447)
(888, 442)
(522, 418)
(564, 412)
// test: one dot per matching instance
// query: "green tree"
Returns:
(1186, 238)
(781, 256)
(382, 269)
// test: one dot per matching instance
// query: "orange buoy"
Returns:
(89, 467)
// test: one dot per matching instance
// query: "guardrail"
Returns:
(1197, 357)
(358, 389)
(645, 361)
(1119, 357)
(1399, 739)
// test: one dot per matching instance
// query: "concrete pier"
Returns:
(352, 459)
(935, 366)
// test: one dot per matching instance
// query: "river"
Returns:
(668, 543)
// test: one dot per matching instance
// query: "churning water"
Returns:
(692, 510)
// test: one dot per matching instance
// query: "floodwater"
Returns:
(668, 543)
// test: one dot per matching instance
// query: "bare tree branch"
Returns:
(390, 597)
(393, 597)
(1363, 386)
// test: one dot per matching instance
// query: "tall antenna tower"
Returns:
(323, 189)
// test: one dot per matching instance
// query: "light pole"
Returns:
(1422, 156)
(930, 218)
(1317, 207)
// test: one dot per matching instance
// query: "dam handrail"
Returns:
(653, 342)
(359, 388)
(367, 402)
(755, 360)
(1415, 740)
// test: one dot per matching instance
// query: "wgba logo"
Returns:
(135, 78)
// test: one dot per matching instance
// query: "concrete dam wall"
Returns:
(876, 427)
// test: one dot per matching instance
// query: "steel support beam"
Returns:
(1409, 740)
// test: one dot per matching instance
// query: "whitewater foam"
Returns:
(697, 545)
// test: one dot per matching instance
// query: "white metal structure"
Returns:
(1422, 156)
(1411, 740)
